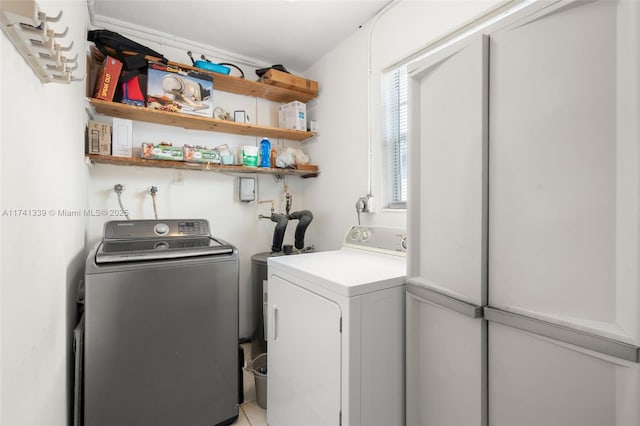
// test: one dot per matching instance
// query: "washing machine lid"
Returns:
(156, 249)
(137, 240)
(347, 272)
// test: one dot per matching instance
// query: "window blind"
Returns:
(394, 137)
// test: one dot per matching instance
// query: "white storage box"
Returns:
(122, 138)
(292, 115)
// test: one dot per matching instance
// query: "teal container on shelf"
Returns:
(250, 156)
(265, 153)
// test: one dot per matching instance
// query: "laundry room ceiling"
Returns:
(295, 33)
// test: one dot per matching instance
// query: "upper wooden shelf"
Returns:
(240, 86)
(116, 109)
(243, 86)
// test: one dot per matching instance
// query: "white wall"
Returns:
(342, 110)
(42, 257)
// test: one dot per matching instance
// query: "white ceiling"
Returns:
(295, 33)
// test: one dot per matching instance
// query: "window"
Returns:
(394, 137)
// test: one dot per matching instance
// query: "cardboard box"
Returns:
(98, 138)
(170, 88)
(193, 154)
(107, 79)
(292, 115)
(289, 81)
(122, 138)
(161, 152)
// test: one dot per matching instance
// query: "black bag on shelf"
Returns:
(114, 44)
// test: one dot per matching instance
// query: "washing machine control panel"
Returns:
(377, 238)
(136, 229)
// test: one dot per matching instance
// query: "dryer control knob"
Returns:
(161, 229)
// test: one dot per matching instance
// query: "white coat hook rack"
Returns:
(28, 29)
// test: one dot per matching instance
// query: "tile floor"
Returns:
(250, 414)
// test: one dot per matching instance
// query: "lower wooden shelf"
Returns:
(183, 165)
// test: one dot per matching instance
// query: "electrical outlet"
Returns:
(370, 204)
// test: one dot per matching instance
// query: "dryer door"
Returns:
(304, 341)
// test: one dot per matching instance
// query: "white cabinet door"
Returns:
(564, 193)
(538, 381)
(564, 167)
(446, 366)
(447, 169)
(304, 339)
(447, 217)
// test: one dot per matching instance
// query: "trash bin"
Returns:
(258, 367)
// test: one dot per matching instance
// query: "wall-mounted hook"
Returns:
(56, 58)
(50, 47)
(41, 32)
(43, 17)
(70, 60)
(63, 68)
(62, 34)
(60, 67)
(65, 78)
(46, 46)
(61, 77)
(64, 49)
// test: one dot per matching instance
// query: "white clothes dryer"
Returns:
(336, 333)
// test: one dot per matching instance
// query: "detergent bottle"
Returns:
(265, 153)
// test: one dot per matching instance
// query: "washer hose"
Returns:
(118, 188)
(305, 217)
(278, 233)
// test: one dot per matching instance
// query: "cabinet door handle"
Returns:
(275, 322)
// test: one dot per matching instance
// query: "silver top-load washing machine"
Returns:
(161, 326)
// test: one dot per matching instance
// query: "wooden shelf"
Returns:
(237, 85)
(116, 109)
(136, 161)
(221, 82)
(243, 86)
